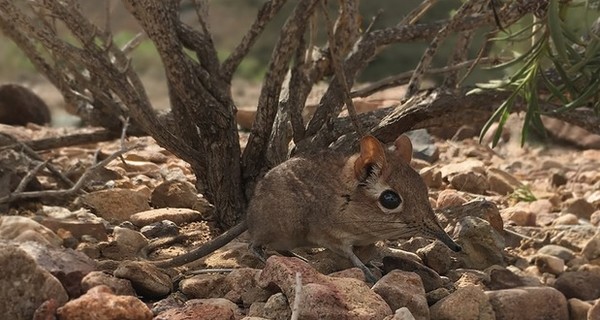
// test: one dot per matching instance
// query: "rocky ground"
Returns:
(527, 219)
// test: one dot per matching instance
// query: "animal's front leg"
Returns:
(349, 253)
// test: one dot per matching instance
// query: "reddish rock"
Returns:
(450, 197)
(147, 279)
(403, 289)
(205, 309)
(116, 205)
(323, 297)
(100, 303)
(177, 215)
(77, 228)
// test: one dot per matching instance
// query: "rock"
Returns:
(558, 179)
(242, 287)
(469, 165)
(482, 245)
(213, 309)
(595, 218)
(437, 255)
(578, 310)
(584, 285)
(423, 146)
(100, 303)
(67, 265)
(25, 285)
(147, 280)
(277, 307)
(22, 229)
(571, 133)
(204, 286)
(558, 251)
(527, 303)
(594, 312)
(432, 177)
(548, 263)
(323, 297)
(46, 311)
(450, 197)
(591, 249)
(403, 289)
(163, 228)
(355, 273)
(469, 302)
(175, 194)
(121, 287)
(579, 207)
(518, 216)
(431, 279)
(89, 249)
(77, 228)
(116, 205)
(20, 106)
(401, 314)
(471, 182)
(178, 215)
(173, 301)
(502, 182)
(436, 295)
(486, 210)
(127, 243)
(501, 278)
(566, 219)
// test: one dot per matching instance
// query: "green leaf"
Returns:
(555, 28)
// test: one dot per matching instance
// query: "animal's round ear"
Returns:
(404, 148)
(372, 156)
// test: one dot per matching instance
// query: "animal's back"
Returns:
(294, 197)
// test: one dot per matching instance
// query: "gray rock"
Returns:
(163, 228)
(277, 307)
(127, 243)
(25, 285)
(147, 280)
(437, 256)
(529, 303)
(584, 285)
(423, 146)
(472, 182)
(482, 245)
(469, 302)
(403, 289)
(501, 278)
(557, 251)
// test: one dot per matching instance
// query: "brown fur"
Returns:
(330, 200)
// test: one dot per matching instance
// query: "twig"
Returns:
(401, 79)
(297, 297)
(132, 43)
(416, 14)
(265, 14)
(339, 72)
(415, 81)
(29, 176)
(60, 193)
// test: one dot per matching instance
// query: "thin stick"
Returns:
(340, 74)
(297, 297)
(29, 176)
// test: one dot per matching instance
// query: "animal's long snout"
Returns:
(445, 238)
(435, 231)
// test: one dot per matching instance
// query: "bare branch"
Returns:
(401, 79)
(265, 14)
(291, 35)
(466, 9)
(415, 15)
(29, 176)
(340, 73)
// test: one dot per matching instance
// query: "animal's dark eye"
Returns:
(390, 199)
